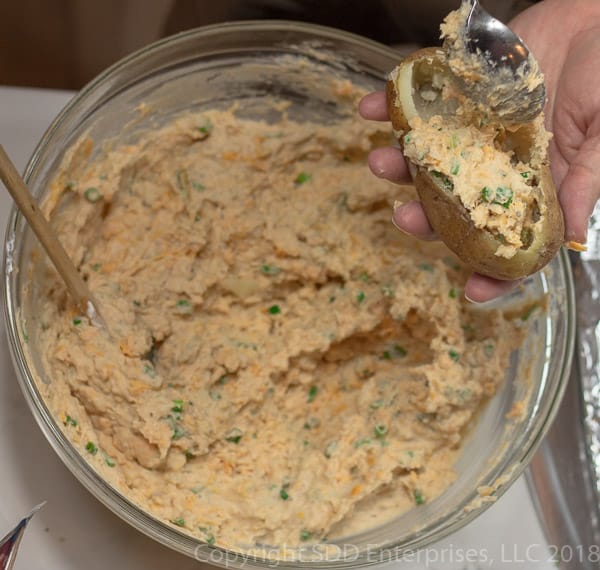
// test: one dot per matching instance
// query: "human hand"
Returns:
(564, 36)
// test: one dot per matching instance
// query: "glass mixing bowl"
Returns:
(247, 62)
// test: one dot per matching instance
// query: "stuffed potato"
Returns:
(486, 187)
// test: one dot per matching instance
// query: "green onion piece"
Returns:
(206, 128)
(283, 494)
(305, 535)
(149, 371)
(455, 169)
(96, 266)
(380, 431)
(177, 406)
(332, 298)
(183, 182)
(418, 496)
(312, 393)
(274, 310)
(91, 447)
(504, 196)
(77, 321)
(397, 351)
(525, 174)
(360, 297)
(452, 293)
(234, 435)
(446, 182)
(178, 433)
(488, 349)
(92, 194)
(485, 194)
(330, 449)
(407, 138)
(400, 350)
(302, 178)
(69, 421)
(110, 461)
(453, 355)
(209, 536)
(183, 307)
(376, 404)
(270, 269)
(178, 522)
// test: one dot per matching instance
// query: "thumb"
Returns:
(580, 189)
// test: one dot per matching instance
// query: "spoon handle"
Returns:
(40, 226)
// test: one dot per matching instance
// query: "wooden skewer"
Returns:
(40, 226)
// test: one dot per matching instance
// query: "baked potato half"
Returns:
(486, 187)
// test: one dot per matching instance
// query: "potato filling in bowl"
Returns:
(286, 367)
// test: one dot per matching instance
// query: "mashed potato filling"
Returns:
(284, 367)
(468, 160)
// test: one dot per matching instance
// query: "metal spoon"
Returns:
(506, 58)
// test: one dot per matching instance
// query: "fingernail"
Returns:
(397, 206)
(471, 300)
(398, 227)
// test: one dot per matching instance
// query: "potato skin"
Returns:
(452, 223)
(397, 118)
(476, 247)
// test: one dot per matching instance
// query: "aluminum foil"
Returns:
(564, 476)
(587, 273)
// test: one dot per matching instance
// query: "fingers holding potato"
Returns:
(485, 187)
(410, 218)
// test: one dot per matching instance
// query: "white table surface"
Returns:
(74, 531)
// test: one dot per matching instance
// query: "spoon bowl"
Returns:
(498, 44)
(505, 58)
